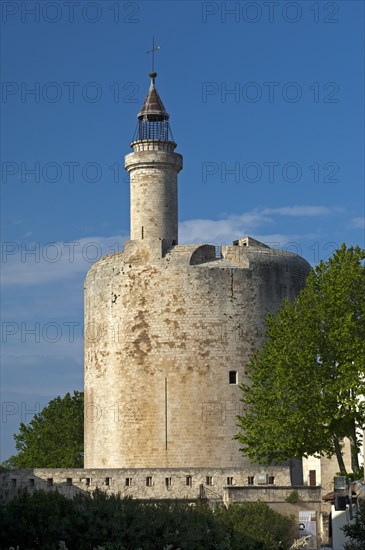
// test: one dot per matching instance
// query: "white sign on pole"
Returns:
(308, 527)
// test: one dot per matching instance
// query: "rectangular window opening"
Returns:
(209, 480)
(31, 482)
(233, 377)
(149, 481)
(167, 482)
(87, 481)
(128, 481)
(229, 480)
(108, 481)
(271, 480)
(312, 478)
(68, 480)
(189, 481)
(50, 482)
(250, 480)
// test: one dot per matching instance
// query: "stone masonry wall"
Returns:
(162, 334)
(153, 189)
(151, 483)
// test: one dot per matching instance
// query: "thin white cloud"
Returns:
(295, 211)
(31, 263)
(233, 227)
(200, 230)
(358, 223)
(28, 263)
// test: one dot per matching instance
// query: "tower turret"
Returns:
(153, 167)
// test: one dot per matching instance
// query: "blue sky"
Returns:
(266, 105)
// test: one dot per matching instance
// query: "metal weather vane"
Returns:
(154, 49)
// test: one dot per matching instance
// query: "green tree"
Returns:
(255, 523)
(54, 437)
(98, 520)
(356, 531)
(305, 387)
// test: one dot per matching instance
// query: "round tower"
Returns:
(153, 167)
(169, 328)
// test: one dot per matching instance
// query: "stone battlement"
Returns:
(229, 484)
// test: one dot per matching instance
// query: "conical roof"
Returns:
(153, 106)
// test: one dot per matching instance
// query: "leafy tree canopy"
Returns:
(305, 387)
(50, 521)
(54, 438)
(356, 531)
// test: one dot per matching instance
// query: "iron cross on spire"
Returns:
(154, 49)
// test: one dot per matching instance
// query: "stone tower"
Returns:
(169, 328)
(153, 167)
